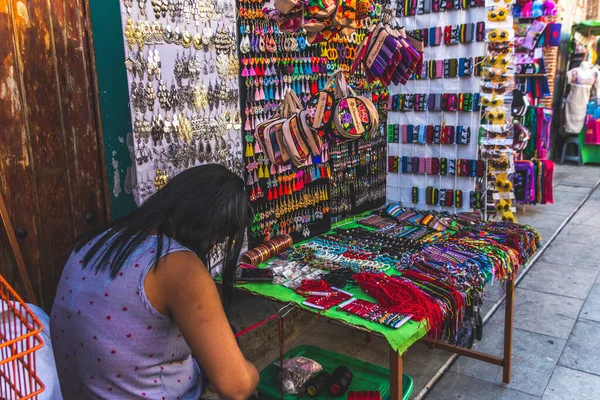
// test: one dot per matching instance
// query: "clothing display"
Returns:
(583, 45)
(592, 125)
(584, 82)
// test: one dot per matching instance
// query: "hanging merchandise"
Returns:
(287, 162)
(341, 115)
(433, 118)
(322, 20)
(389, 55)
(496, 132)
(535, 32)
(182, 66)
(358, 167)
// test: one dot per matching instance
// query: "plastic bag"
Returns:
(296, 372)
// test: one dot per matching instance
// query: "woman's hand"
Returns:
(183, 287)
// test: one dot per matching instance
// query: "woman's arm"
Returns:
(183, 287)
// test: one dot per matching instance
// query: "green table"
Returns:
(399, 339)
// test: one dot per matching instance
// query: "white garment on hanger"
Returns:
(581, 79)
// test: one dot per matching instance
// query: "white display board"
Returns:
(399, 185)
(196, 44)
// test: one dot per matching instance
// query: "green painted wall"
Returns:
(114, 101)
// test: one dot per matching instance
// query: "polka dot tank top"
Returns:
(110, 343)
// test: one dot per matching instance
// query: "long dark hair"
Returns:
(199, 207)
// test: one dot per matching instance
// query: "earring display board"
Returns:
(358, 180)
(299, 198)
(433, 120)
(286, 198)
(183, 67)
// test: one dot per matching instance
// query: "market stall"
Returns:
(421, 267)
(328, 109)
(537, 31)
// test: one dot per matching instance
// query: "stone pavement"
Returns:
(556, 346)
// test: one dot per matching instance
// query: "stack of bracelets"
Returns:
(268, 250)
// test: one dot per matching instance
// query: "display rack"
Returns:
(536, 53)
(183, 84)
(445, 75)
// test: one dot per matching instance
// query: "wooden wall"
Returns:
(51, 170)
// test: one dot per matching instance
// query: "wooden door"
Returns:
(51, 172)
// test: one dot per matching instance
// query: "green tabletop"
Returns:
(399, 339)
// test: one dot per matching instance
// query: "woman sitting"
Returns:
(137, 313)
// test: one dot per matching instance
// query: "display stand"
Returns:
(399, 339)
(398, 349)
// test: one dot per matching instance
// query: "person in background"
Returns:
(137, 309)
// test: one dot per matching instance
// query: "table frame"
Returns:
(505, 361)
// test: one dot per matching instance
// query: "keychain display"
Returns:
(322, 20)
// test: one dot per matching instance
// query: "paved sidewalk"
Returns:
(556, 340)
(556, 346)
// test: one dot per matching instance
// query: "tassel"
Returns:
(270, 194)
(275, 195)
(266, 173)
(273, 171)
(245, 72)
(255, 176)
(257, 149)
(260, 172)
(251, 71)
(253, 122)
(247, 126)
(323, 173)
